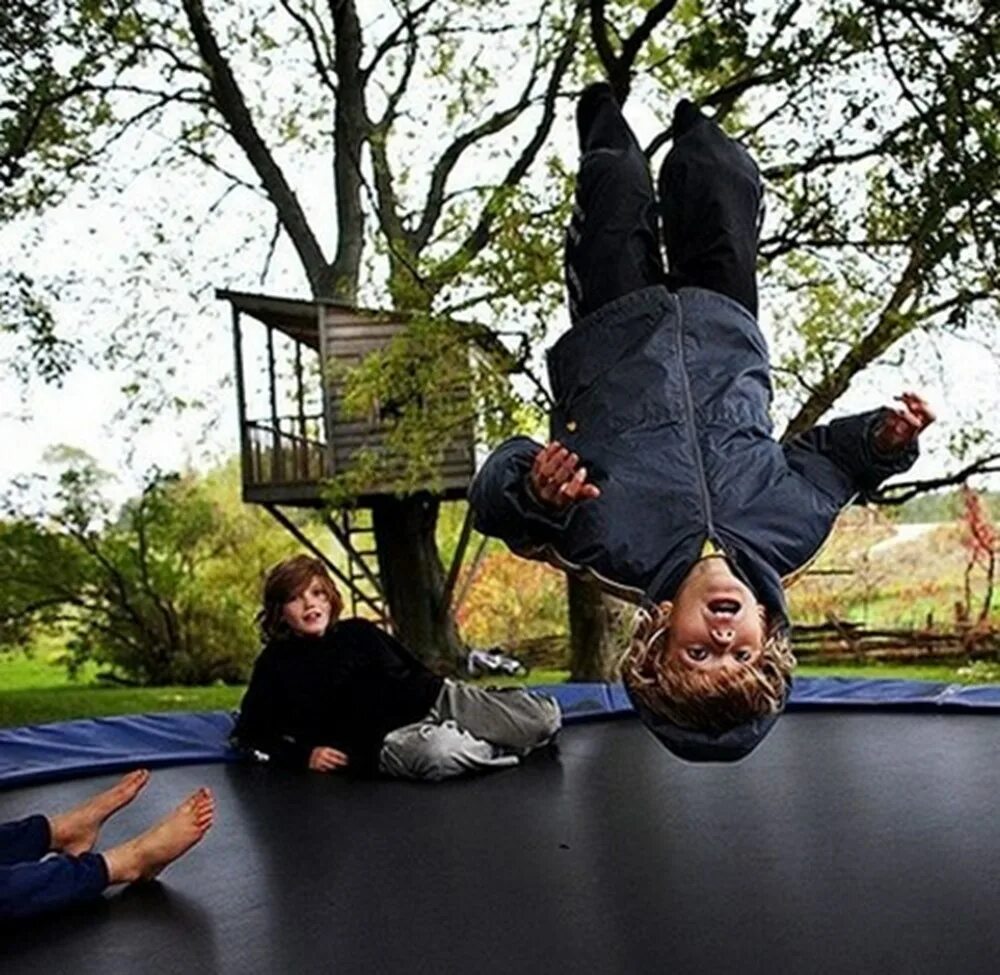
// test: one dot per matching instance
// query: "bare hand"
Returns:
(904, 424)
(327, 760)
(557, 480)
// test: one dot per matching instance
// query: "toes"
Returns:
(206, 808)
(200, 804)
(129, 785)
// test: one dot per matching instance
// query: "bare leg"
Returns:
(143, 857)
(75, 831)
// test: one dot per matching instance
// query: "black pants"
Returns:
(709, 204)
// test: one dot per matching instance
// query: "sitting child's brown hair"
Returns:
(283, 583)
(696, 699)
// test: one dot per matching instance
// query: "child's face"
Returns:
(308, 612)
(716, 622)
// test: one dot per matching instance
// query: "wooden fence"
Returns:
(838, 640)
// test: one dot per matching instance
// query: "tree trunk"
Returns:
(413, 578)
(592, 654)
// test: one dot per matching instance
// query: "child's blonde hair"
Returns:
(697, 699)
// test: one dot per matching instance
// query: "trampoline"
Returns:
(861, 840)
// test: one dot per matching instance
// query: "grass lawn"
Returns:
(942, 673)
(40, 705)
(33, 690)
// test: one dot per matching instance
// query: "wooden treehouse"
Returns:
(295, 435)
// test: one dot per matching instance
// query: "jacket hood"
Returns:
(704, 746)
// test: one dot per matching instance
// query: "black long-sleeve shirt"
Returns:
(346, 690)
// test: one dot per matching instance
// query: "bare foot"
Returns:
(76, 831)
(143, 857)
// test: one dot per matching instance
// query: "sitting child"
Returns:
(47, 863)
(662, 480)
(333, 695)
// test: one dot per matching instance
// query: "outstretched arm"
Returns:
(524, 493)
(855, 454)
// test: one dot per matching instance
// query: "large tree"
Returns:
(450, 81)
(876, 125)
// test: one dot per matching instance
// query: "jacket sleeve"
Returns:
(503, 504)
(840, 457)
(259, 725)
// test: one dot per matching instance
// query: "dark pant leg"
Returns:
(710, 197)
(26, 839)
(612, 243)
(27, 889)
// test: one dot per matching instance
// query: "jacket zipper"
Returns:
(550, 554)
(706, 503)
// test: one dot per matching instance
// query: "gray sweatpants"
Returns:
(470, 728)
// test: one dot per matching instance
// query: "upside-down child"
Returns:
(337, 695)
(662, 479)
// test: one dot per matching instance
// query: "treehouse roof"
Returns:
(299, 318)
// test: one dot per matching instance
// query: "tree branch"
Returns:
(479, 236)
(724, 98)
(789, 169)
(393, 98)
(388, 203)
(446, 163)
(895, 494)
(166, 611)
(633, 43)
(892, 324)
(318, 62)
(599, 35)
(618, 68)
(230, 103)
(407, 23)
(351, 129)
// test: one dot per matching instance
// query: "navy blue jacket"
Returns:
(665, 398)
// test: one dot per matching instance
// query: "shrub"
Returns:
(512, 599)
(161, 592)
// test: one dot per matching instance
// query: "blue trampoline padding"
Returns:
(582, 701)
(813, 692)
(579, 702)
(92, 746)
(47, 752)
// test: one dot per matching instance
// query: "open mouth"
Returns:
(723, 607)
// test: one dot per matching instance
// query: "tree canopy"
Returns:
(876, 125)
(414, 154)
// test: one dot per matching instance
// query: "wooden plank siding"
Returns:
(286, 457)
(347, 339)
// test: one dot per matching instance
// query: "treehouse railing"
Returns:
(284, 450)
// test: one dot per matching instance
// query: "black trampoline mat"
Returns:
(849, 842)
